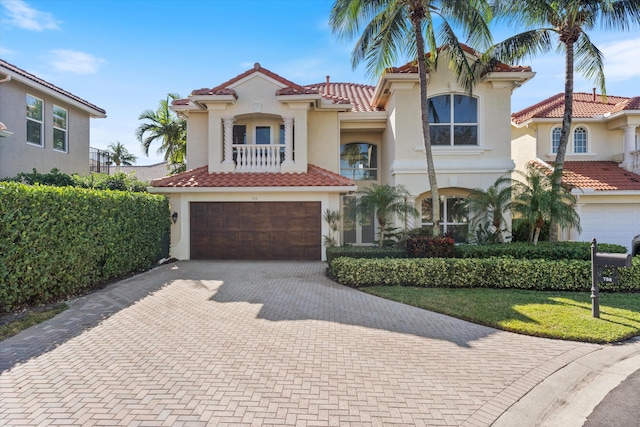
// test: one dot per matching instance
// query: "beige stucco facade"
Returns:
(16, 154)
(323, 123)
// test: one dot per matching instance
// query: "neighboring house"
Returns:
(146, 173)
(267, 156)
(602, 163)
(46, 126)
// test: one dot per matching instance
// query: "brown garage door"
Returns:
(256, 230)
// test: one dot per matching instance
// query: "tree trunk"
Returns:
(565, 132)
(424, 109)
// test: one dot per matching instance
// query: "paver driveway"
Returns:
(263, 343)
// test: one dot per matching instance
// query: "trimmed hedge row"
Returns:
(535, 274)
(364, 252)
(58, 241)
(544, 250)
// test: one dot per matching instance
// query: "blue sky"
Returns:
(126, 55)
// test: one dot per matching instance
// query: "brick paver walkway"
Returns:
(263, 343)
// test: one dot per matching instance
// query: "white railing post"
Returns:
(228, 139)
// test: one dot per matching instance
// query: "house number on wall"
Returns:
(254, 198)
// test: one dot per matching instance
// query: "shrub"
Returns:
(534, 274)
(430, 247)
(544, 250)
(58, 241)
(118, 181)
(364, 252)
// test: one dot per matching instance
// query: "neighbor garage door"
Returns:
(610, 223)
(256, 230)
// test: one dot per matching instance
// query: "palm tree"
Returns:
(490, 205)
(535, 201)
(383, 201)
(401, 27)
(119, 154)
(164, 126)
(568, 21)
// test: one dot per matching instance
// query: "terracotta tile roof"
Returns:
(412, 67)
(599, 175)
(358, 95)
(256, 68)
(4, 64)
(585, 105)
(200, 177)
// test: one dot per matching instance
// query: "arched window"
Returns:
(453, 120)
(555, 139)
(454, 213)
(580, 142)
(359, 161)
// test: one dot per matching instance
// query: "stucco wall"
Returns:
(323, 139)
(16, 155)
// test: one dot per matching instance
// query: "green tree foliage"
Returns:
(490, 206)
(391, 29)
(535, 202)
(563, 25)
(168, 129)
(119, 154)
(384, 201)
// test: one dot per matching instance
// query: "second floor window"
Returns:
(453, 120)
(579, 143)
(59, 128)
(34, 120)
(359, 161)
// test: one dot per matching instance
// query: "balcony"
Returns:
(635, 162)
(258, 157)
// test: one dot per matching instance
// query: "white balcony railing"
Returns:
(258, 158)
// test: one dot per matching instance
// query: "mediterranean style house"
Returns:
(602, 164)
(42, 125)
(267, 156)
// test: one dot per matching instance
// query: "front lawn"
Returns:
(561, 315)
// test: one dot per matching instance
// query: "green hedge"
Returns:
(535, 274)
(544, 250)
(58, 241)
(364, 252)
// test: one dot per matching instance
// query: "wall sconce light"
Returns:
(174, 217)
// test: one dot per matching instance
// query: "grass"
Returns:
(29, 319)
(561, 315)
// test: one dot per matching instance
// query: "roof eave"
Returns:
(517, 78)
(307, 189)
(384, 83)
(94, 113)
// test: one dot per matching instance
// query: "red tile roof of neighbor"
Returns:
(200, 177)
(48, 85)
(585, 105)
(599, 175)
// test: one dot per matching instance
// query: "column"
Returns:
(629, 146)
(288, 140)
(228, 139)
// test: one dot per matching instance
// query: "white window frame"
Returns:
(443, 213)
(65, 130)
(376, 168)
(358, 227)
(254, 133)
(554, 150)
(40, 122)
(571, 145)
(586, 138)
(452, 124)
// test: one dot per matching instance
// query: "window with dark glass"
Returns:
(59, 129)
(239, 134)
(34, 120)
(356, 231)
(453, 120)
(359, 161)
(454, 214)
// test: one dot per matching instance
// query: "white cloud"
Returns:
(65, 60)
(617, 63)
(6, 53)
(20, 14)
